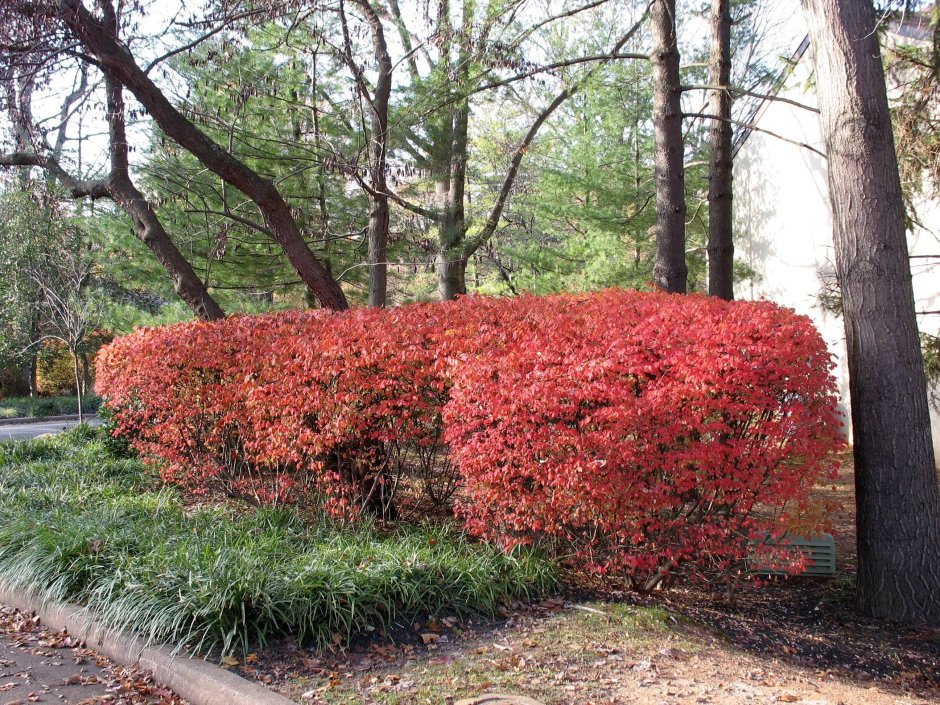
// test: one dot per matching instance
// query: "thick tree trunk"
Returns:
(897, 495)
(720, 241)
(150, 231)
(378, 253)
(670, 272)
(115, 60)
(452, 227)
(451, 275)
(20, 111)
(118, 187)
(450, 154)
(147, 225)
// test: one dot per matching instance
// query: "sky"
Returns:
(781, 21)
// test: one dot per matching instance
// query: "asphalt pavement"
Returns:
(39, 428)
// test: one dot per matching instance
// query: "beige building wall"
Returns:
(783, 226)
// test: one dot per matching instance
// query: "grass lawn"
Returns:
(80, 522)
(36, 407)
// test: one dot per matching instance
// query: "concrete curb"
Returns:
(20, 420)
(198, 681)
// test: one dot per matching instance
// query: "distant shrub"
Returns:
(55, 372)
(630, 432)
(55, 368)
(36, 407)
(44, 407)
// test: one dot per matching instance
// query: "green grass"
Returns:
(36, 407)
(78, 522)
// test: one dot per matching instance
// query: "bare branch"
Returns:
(200, 39)
(247, 222)
(751, 126)
(78, 188)
(496, 212)
(118, 62)
(413, 207)
(529, 31)
(738, 92)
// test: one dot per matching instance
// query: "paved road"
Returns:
(31, 430)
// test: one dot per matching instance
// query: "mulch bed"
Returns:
(812, 621)
(808, 622)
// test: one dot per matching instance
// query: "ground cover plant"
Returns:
(639, 433)
(37, 407)
(79, 521)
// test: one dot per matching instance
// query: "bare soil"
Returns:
(792, 640)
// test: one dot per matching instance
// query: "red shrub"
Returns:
(641, 432)
(252, 405)
(637, 432)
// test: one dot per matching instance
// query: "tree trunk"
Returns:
(78, 385)
(27, 381)
(115, 60)
(935, 21)
(670, 272)
(452, 228)
(32, 362)
(897, 495)
(720, 241)
(321, 169)
(150, 231)
(451, 156)
(118, 187)
(147, 225)
(378, 253)
(87, 381)
(378, 147)
(451, 275)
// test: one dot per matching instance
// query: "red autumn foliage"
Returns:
(633, 432)
(641, 432)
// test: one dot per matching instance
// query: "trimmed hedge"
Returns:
(635, 432)
(668, 432)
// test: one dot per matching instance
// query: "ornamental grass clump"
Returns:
(79, 524)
